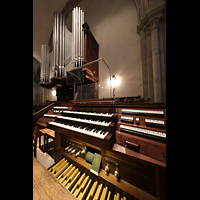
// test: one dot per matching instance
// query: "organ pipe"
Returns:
(68, 47)
(77, 37)
(51, 67)
(44, 73)
(59, 44)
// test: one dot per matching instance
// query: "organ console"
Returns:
(103, 149)
(108, 150)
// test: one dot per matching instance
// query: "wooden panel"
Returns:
(148, 147)
(91, 50)
(40, 113)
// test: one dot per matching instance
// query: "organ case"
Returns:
(68, 57)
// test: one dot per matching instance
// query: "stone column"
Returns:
(156, 61)
(149, 64)
(144, 63)
(152, 30)
(162, 61)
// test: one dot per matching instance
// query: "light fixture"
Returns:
(54, 92)
(115, 81)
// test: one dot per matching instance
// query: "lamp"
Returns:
(54, 92)
(115, 82)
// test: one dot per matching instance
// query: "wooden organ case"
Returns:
(90, 73)
(107, 150)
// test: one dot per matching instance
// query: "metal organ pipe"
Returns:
(77, 37)
(51, 68)
(59, 43)
(67, 46)
(63, 45)
(60, 47)
(79, 34)
(82, 39)
(54, 44)
(44, 75)
(42, 65)
(73, 37)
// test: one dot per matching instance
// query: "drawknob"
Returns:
(107, 169)
(73, 151)
(116, 173)
(83, 151)
(78, 153)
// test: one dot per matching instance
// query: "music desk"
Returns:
(45, 186)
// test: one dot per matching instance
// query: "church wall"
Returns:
(132, 40)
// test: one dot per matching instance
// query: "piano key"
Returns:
(160, 122)
(64, 180)
(117, 196)
(69, 187)
(81, 187)
(66, 167)
(98, 192)
(50, 116)
(85, 121)
(59, 108)
(56, 111)
(127, 119)
(80, 130)
(132, 129)
(108, 197)
(60, 169)
(89, 113)
(103, 195)
(92, 190)
(142, 112)
(77, 185)
(71, 180)
(64, 174)
(52, 169)
(83, 194)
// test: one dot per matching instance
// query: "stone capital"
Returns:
(147, 29)
(157, 21)
(152, 18)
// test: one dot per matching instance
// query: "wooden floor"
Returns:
(44, 157)
(45, 186)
